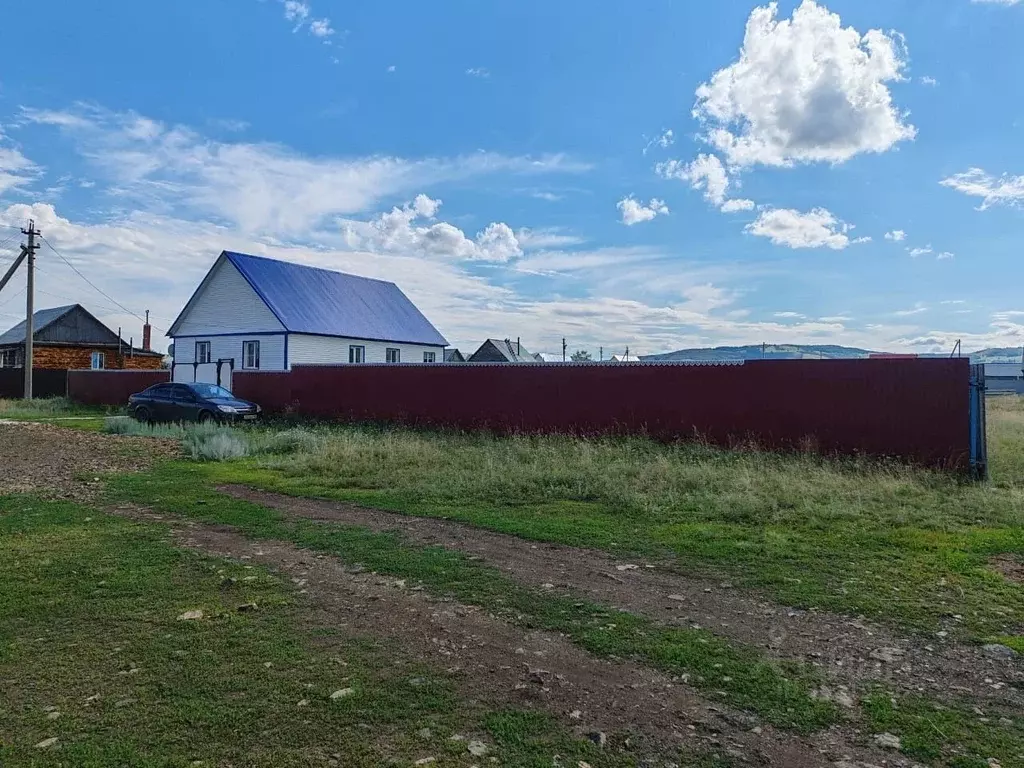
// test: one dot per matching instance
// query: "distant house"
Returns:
(253, 313)
(71, 338)
(1005, 377)
(503, 351)
(454, 356)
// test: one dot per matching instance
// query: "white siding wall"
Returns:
(228, 304)
(330, 350)
(224, 348)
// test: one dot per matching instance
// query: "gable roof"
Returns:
(510, 351)
(40, 320)
(326, 303)
(70, 326)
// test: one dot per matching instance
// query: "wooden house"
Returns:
(66, 338)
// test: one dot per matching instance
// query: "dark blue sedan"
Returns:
(190, 402)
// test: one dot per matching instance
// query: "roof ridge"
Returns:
(297, 265)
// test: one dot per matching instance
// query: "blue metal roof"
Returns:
(322, 302)
(40, 320)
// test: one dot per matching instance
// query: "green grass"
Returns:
(948, 736)
(737, 675)
(884, 540)
(89, 629)
(46, 408)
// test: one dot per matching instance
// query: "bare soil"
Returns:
(851, 652)
(497, 665)
(60, 463)
(1012, 568)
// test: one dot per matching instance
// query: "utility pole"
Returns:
(30, 290)
(564, 346)
(601, 353)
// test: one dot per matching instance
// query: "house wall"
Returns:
(272, 356)
(70, 358)
(487, 354)
(227, 304)
(331, 350)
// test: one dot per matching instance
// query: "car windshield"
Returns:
(209, 390)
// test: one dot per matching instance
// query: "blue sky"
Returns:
(666, 175)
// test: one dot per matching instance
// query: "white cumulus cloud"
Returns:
(1002, 190)
(735, 206)
(817, 228)
(634, 212)
(478, 72)
(915, 252)
(805, 89)
(705, 173)
(321, 28)
(897, 235)
(405, 230)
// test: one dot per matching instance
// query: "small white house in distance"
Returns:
(253, 313)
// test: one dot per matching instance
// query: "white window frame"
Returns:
(430, 357)
(206, 347)
(392, 355)
(356, 354)
(100, 358)
(11, 358)
(254, 364)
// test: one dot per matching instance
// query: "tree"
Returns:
(581, 356)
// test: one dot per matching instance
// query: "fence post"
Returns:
(979, 435)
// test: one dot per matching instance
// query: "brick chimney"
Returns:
(147, 335)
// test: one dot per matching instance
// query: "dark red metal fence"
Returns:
(45, 383)
(110, 387)
(916, 410)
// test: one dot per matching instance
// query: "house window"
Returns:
(10, 358)
(356, 354)
(251, 354)
(98, 361)
(202, 351)
(430, 357)
(393, 355)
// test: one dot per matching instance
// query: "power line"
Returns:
(96, 288)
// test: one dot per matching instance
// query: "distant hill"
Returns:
(807, 351)
(757, 352)
(997, 355)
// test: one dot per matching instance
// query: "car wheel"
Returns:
(143, 415)
(205, 417)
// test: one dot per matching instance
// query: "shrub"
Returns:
(211, 442)
(290, 441)
(124, 426)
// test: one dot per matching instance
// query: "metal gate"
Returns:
(979, 442)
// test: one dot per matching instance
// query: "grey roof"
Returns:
(454, 356)
(1005, 370)
(512, 351)
(40, 320)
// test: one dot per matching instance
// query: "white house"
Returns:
(253, 313)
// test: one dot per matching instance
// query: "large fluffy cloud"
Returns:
(805, 89)
(1002, 190)
(817, 228)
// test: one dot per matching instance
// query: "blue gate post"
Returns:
(979, 439)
